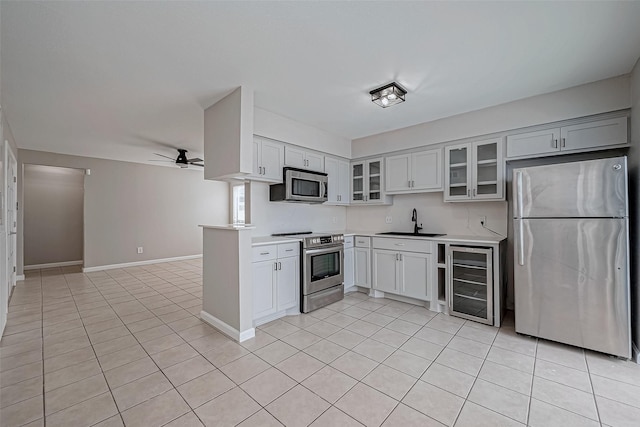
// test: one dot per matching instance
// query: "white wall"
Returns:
(275, 126)
(127, 205)
(593, 98)
(634, 189)
(282, 217)
(435, 215)
(53, 214)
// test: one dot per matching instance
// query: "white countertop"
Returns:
(449, 238)
(273, 240)
(228, 227)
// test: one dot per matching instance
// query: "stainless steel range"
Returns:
(322, 269)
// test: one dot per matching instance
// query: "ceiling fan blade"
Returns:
(196, 164)
(163, 161)
(195, 159)
(166, 157)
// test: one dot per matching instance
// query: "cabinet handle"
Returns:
(264, 253)
(563, 142)
(399, 244)
(554, 143)
(409, 184)
(474, 192)
(259, 170)
(397, 257)
(275, 266)
(264, 170)
(413, 183)
(279, 266)
(288, 250)
(468, 193)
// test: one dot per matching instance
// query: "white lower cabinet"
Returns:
(402, 272)
(362, 261)
(349, 267)
(276, 280)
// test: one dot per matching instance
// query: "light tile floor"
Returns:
(127, 347)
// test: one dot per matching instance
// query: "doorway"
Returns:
(53, 217)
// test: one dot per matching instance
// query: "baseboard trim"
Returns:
(19, 277)
(137, 263)
(635, 353)
(52, 265)
(352, 288)
(226, 329)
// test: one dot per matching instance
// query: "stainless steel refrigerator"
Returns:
(571, 262)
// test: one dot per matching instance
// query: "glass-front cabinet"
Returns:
(366, 182)
(474, 171)
(470, 290)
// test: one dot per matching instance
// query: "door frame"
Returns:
(11, 243)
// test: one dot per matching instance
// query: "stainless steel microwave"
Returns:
(299, 185)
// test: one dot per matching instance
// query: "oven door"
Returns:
(323, 268)
(305, 186)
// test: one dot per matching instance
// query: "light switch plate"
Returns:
(388, 220)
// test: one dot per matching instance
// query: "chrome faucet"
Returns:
(414, 218)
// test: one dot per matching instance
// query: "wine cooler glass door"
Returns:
(471, 283)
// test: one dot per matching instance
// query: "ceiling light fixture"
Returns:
(388, 95)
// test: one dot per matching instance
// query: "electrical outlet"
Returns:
(483, 220)
(388, 220)
(140, 250)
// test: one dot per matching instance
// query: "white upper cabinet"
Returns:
(414, 172)
(338, 181)
(303, 159)
(367, 178)
(574, 138)
(268, 160)
(474, 171)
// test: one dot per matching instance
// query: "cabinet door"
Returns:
(488, 170)
(272, 160)
(358, 182)
(398, 173)
(533, 143)
(264, 295)
(343, 184)
(333, 180)
(256, 158)
(600, 133)
(375, 180)
(362, 267)
(294, 157)
(314, 161)
(426, 170)
(414, 275)
(288, 282)
(385, 276)
(348, 268)
(457, 173)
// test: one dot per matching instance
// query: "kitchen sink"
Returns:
(403, 233)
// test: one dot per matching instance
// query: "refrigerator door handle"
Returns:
(519, 194)
(520, 242)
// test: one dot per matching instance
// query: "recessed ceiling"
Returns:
(122, 80)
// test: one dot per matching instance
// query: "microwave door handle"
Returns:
(323, 189)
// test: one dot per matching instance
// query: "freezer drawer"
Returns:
(571, 282)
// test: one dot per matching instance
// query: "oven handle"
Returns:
(324, 250)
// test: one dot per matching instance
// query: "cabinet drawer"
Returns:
(363, 242)
(402, 245)
(264, 253)
(348, 242)
(288, 249)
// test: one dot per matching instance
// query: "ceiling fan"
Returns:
(182, 159)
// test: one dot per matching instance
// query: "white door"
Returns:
(594, 134)
(314, 162)
(272, 157)
(426, 170)
(415, 275)
(11, 217)
(385, 277)
(264, 296)
(4, 290)
(533, 143)
(294, 157)
(362, 270)
(287, 282)
(333, 178)
(343, 182)
(457, 178)
(348, 268)
(398, 173)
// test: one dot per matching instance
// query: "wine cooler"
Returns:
(470, 291)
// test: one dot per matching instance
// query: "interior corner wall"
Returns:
(53, 214)
(128, 205)
(634, 203)
(579, 101)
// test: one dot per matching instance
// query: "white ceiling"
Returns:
(121, 80)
